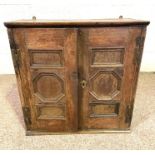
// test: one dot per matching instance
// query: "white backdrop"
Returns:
(77, 9)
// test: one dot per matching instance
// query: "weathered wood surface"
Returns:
(77, 78)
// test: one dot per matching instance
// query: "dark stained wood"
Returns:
(77, 76)
(130, 80)
(71, 23)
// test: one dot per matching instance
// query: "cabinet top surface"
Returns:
(88, 22)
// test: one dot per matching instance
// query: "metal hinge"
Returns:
(27, 115)
(128, 116)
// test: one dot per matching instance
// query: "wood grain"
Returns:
(77, 76)
(71, 23)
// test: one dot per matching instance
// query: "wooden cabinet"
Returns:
(77, 76)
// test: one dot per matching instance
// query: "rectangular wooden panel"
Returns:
(50, 58)
(110, 37)
(51, 112)
(106, 56)
(45, 38)
(104, 110)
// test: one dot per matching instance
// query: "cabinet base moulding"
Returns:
(103, 131)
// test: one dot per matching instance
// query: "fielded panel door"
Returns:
(109, 61)
(48, 73)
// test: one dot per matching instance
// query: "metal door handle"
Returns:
(83, 83)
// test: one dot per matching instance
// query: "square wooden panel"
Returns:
(105, 85)
(48, 87)
(101, 56)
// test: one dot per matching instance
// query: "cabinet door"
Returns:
(48, 70)
(108, 74)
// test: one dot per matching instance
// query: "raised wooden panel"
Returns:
(46, 58)
(104, 110)
(50, 112)
(106, 56)
(45, 38)
(104, 85)
(48, 86)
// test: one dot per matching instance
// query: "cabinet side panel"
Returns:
(131, 72)
(19, 66)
